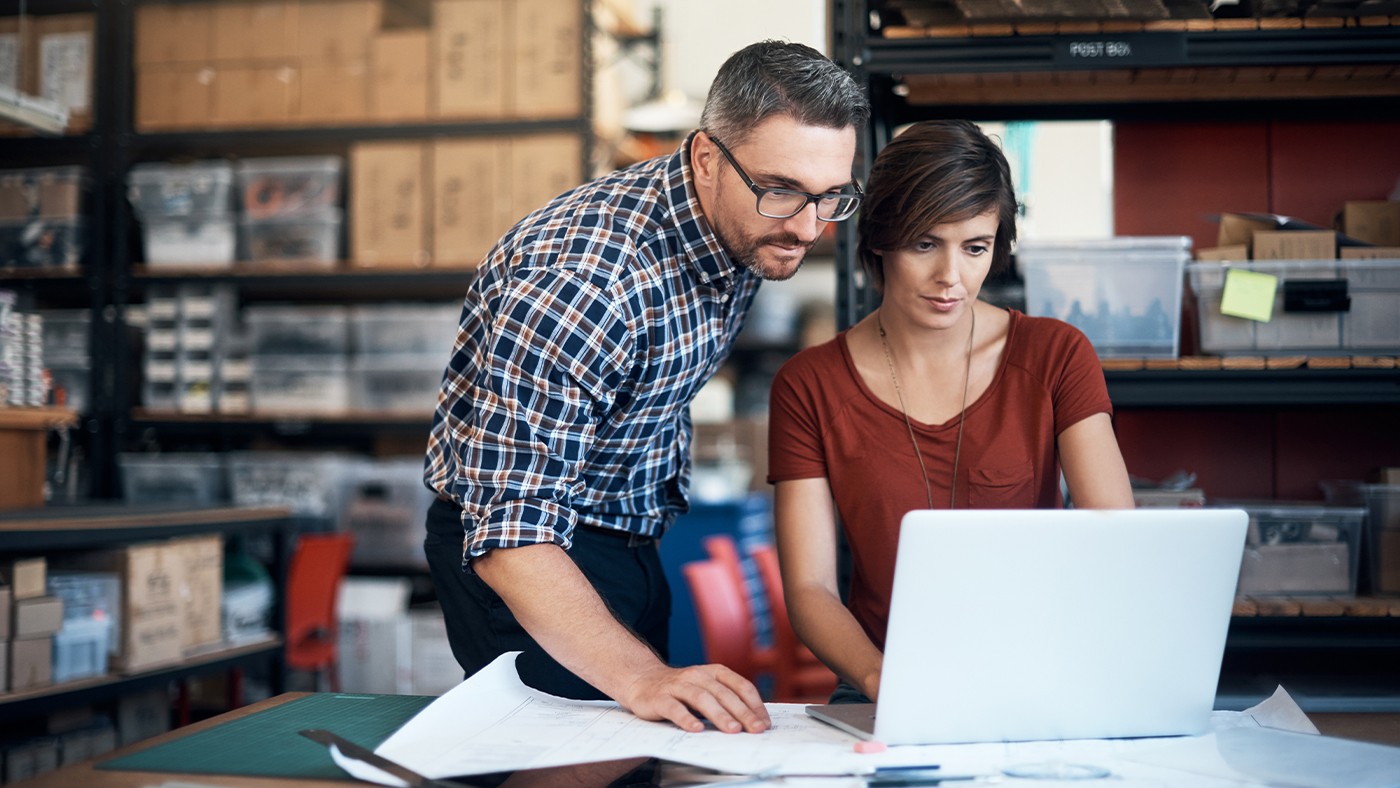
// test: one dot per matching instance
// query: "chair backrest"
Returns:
(785, 642)
(726, 630)
(313, 581)
(722, 550)
(799, 675)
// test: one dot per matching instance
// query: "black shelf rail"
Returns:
(339, 284)
(1147, 49)
(1246, 388)
(37, 702)
(347, 425)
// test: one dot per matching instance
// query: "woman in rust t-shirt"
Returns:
(935, 400)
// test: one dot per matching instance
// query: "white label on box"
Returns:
(65, 63)
(9, 60)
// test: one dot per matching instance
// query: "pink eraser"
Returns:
(870, 746)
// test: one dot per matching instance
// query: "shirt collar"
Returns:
(698, 241)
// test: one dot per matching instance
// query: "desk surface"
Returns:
(1383, 728)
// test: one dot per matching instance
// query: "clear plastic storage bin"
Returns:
(1321, 307)
(309, 484)
(289, 186)
(1124, 293)
(164, 191)
(53, 192)
(66, 335)
(187, 478)
(396, 384)
(204, 240)
(42, 243)
(80, 649)
(1382, 502)
(300, 384)
(385, 506)
(297, 330)
(311, 238)
(1300, 549)
(394, 329)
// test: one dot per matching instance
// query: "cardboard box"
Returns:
(1232, 253)
(150, 624)
(543, 166)
(174, 33)
(31, 663)
(334, 92)
(36, 617)
(65, 47)
(471, 205)
(27, 577)
(388, 210)
(470, 59)
(399, 87)
(1295, 245)
(253, 30)
(12, 75)
(337, 31)
(1236, 229)
(251, 95)
(1370, 253)
(201, 588)
(1373, 221)
(174, 97)
(546, 75)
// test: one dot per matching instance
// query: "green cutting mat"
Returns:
(266, 744)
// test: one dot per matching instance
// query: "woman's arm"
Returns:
(1093, 465)
(805, 520)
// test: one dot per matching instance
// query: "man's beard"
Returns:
(745, 251)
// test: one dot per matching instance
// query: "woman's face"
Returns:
(933, 281)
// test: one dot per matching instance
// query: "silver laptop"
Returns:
(1019, 625)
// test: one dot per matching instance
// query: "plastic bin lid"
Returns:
(290, 164)
(158, 171)
(1119, 243)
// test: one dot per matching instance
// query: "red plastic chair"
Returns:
(723, 551)
(313, 582)
(798, 675)
(726, 628)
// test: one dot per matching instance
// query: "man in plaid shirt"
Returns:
(560, 446)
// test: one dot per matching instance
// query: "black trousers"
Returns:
(626, 572)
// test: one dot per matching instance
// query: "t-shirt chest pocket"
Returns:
(1011, 487)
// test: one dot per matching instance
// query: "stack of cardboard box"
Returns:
(31, 617)
(270, 63)
(445, 202)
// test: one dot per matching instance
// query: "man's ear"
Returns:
(704, 159)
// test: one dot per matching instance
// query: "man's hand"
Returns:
(682, 695)
(555, 603)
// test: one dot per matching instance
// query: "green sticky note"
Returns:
(1249, 294)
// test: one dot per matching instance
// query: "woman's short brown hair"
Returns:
(934, 172)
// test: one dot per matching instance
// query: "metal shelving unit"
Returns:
(57, 530)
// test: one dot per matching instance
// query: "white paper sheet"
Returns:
(492, 722)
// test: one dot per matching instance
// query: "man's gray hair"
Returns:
(780, 78)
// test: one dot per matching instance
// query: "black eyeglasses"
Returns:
(785, 203)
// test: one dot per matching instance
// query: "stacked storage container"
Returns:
(1124, 293)
(290, 209)
(400, 354)
(65, 354)
(299, 356)
(185, 212)
(189, 344)
(41, 223)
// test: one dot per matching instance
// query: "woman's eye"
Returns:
(977, 250)
(923, 246)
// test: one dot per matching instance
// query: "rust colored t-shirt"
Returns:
(825, 422)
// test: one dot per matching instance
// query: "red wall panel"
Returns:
(1169, 177)
(1315, 167)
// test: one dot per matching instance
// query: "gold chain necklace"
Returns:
(903, 411)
